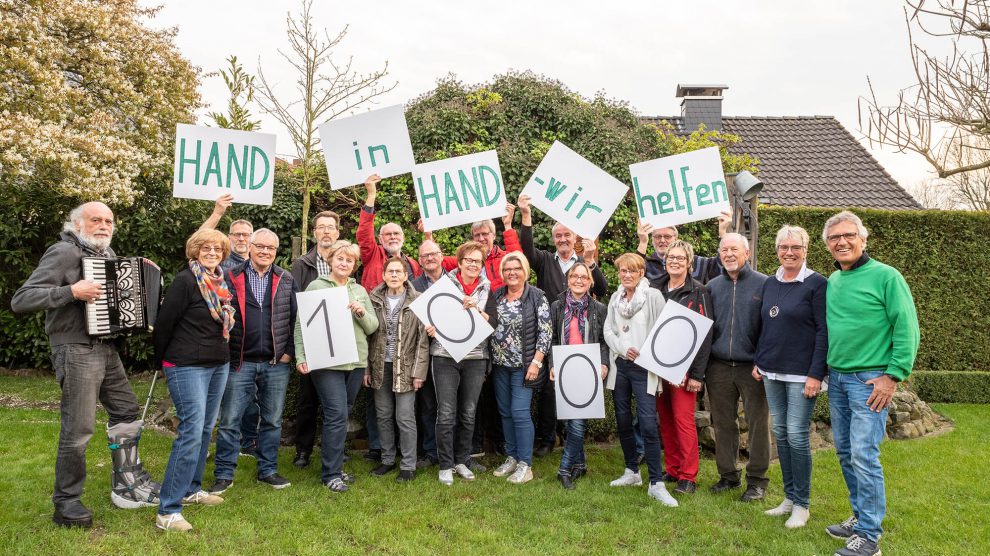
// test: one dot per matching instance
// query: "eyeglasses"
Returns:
(240, 235)
(579, 278)
(677, 258)
(430, 255)
(395, 271)
(325, 228)
(512, 270)
(665, 237)
(265, 248)
(791, 248)
(471, 262)
(628, 272)
(848, 236)
(210, 249)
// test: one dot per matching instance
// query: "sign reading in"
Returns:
(211, 161)
(326, 346)
(375, 142)
(672, 343)
(579, 389)
(459, 190)
(459, 330)
(573, 191)
(680, 188)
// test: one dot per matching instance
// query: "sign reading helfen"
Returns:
(211, 161)
(459, 190)
(681, 188)
(375, 142)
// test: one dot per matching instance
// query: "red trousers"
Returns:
(678, 432)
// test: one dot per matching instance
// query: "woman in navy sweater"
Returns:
(790, 359)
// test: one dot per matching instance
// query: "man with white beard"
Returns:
(88, 369)
(390, 236)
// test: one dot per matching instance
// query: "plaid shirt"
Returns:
(259, 282)
(322, 267)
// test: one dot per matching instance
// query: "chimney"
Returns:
(702, 104)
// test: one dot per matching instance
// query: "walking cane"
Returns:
(151, 390)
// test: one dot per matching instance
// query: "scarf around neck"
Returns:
(575, 308)
(628, 308)
(214, 290)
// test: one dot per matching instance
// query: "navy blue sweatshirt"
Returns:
(737, 315)
(795, 341)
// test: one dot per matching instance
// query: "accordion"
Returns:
(132, 290)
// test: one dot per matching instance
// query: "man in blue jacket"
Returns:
(737, 296)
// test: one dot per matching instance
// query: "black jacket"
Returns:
(531, 299)
(737, 307)
(696, 297)
(549, 277)
(186, 334)
(304, 269)
(594, 329)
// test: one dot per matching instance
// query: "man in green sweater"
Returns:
(872, 343)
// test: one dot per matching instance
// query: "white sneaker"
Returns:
(523, 474)
(629, 478)
(204, 498)
(784, 508)
(506, 468)
(659, 491)
(447, 476)
(799, 518)
(172, 522)
(464, 472)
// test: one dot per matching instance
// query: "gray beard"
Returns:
(93, 243)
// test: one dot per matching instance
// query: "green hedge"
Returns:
(952, 386)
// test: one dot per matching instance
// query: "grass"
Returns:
(938, 503)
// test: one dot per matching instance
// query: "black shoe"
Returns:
(249, 452)
(73, 514)
(723, 485)
(476, 466)
(543, 450)
(425, 461)
(405, 476)
(566, 480)
(302, 460)
(844, 530)
(753, 493)
(275, 481)
(668, 478)
(383, 469)
(578, 471)
(858, 546)
(373, 455)
(220, 486)
(685, 486)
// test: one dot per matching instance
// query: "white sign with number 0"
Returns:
(578, 385)
(458, 330)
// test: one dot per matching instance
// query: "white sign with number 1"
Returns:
(326, 347)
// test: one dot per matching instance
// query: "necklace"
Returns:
(775, 309)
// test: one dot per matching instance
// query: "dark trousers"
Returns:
(546, 415)
(630, 381)
(337, 391)
(487, 421)
(726, 384)
(458, 386)
(86, 373)
(308, 409)
(426, 418)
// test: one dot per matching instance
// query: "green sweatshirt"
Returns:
(363, 327)
(872, 322)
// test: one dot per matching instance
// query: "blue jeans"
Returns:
(371, 421)
(630, 380)
(251, 422)
(791, 421)
(514, 400)
(271, 382)
(196, 394)
(857, 432)
(337, 391)
(573, 446)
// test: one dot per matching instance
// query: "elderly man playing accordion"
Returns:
(88, 369)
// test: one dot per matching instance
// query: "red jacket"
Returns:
(373, 255)
(494, 259)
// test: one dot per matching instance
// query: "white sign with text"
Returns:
(673, 342)
(578, 385)
(327, 346)
(212, 161)
(459, 190)
(574, 192)
(459, 330)
(681, 188)
(376, 142)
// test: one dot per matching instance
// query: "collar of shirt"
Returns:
(254, 271)
(566, 264)
(863, 259)
(801, 275)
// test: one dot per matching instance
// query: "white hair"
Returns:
(483, 224)
(845, 216)
(733, 235)
(74, 222)
(263, 231)
(792, 232)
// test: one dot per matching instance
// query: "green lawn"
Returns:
(938, 503)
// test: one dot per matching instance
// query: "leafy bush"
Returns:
(952, 386)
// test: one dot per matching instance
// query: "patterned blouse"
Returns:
(507, 349)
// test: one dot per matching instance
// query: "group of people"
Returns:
(228, 333)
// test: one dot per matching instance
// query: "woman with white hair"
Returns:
(790, 360)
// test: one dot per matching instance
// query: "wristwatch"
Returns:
(539, 364)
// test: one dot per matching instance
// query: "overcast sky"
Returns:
(778, 58)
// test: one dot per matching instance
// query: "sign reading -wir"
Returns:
(459, 190)
(681, 188)
(211, 161)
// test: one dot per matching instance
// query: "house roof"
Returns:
(811, 161)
